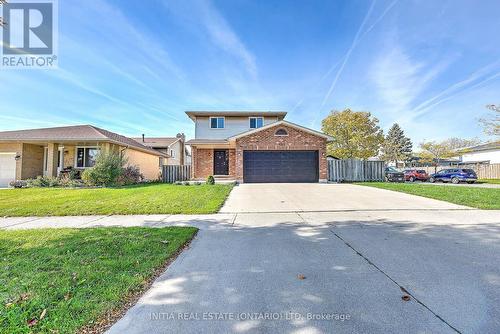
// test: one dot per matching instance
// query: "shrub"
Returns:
(43, 182)
(210, 180)
(70, 183)
(186, 183)
(197, 183)
(108, 167)
(130, 175)
(18, 184)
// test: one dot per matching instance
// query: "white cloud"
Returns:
(399, 79)
(225, 37)
(203, 14)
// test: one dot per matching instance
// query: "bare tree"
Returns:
(2, 22)
(491, 125)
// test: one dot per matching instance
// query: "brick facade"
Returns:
(203, 159)
(295, 140)
(203, 162)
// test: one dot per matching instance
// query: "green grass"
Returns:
(481, 198)
(77, 275)
(143, 199)
(491, 181)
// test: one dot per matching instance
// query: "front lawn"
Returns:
(60, 280)
(143, 199)
(481, 198)
(491, 181)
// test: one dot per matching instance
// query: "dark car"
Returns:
(454, 175)
(416, 174)
(393, 175)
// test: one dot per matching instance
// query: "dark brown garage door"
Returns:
(280, 166)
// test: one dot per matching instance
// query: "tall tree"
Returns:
(491, 125)
(2, 22)
(396, 146)
(356, 134)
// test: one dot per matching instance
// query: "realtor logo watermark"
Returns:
(29, 36)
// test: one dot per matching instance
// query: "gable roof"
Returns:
(159, 142)
(290, 124)
(495, 145)
(75, 133)
(246, 113)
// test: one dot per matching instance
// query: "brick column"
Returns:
(52, 152)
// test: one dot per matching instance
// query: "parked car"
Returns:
(416, 174)
(393, 175)
(455, 175)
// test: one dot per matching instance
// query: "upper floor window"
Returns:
(217, 122)
(256, 122)
(172, 154)
(281, 132)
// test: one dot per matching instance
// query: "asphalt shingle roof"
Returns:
(74, 133)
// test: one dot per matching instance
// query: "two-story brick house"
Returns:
(253, 146)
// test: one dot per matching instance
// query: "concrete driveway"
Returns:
(300, 197)
(240, 275)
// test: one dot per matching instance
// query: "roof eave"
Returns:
(314, 132)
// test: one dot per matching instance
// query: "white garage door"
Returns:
(7, 168)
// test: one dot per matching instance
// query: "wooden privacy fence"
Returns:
(173, 173)
(354, 170)
(483, 171)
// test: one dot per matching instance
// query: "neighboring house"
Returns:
(253, 146)
(484, 153)
(27, 154)
(173, 146)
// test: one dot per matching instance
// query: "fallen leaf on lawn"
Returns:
(300, 276)
(9, 304)
(32, 322)
(164, 242)
(43, 313)
(24, 296)
(67, 296)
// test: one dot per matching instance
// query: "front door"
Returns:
(221, 162)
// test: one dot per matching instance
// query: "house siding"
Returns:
(233, 125)
(177, 148)
(493, 156)
(265, 140)
(32, 161)
(148, 164)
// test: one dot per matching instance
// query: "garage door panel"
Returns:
(280, 166)
(7, 168)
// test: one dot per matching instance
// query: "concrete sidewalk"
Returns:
(220, 220)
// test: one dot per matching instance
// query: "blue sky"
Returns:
(134, 67)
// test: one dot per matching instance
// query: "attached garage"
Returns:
(280, 166)
(7, 168)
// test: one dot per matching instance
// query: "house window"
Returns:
(281, 132)
(86, 156)
(217, 122)
(256, 122)
(172, 154)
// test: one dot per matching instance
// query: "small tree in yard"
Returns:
(107, 169)
(396, 146)
(432, 151)
(356, 134)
